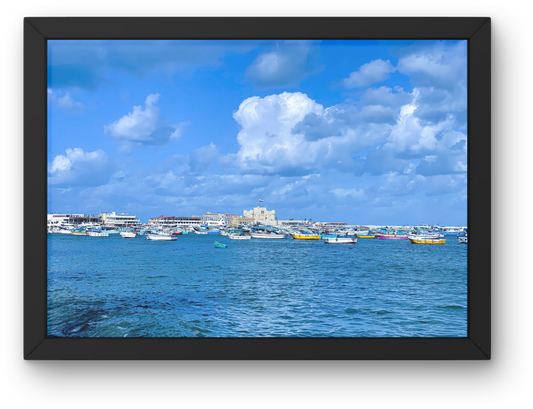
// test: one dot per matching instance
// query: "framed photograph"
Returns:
(257, 188)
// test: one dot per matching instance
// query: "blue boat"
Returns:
(452, 231)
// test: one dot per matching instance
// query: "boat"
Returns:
(368, 236)
(427, 241)
(392, 237)
(220, 245)
(59, 230)
(200, 232)
(452, 231)
(161, 237)
(79, 232)
(128, 234)
(306, 236)
(98, 233)
(239, 237)
(267, 236)
(463, 239)
(425, 236)
(340, 240)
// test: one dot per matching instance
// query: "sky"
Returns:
(356, 131)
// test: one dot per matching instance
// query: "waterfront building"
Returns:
(189, 221)
(289, 223)
(172, 221)
(163, 221)
(59, 218)
(119, 219)
(71, 218)
(240, 221)
(261, 215)
(217, 219)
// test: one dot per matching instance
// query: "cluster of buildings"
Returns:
(257, 215)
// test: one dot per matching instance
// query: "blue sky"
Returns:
(366, 132)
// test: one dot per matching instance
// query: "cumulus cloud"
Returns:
(265, 139)
(413, 137)
(441, 66)
(143, 127)
(290, 133)
(78, 167)
(439, 74)
(369, 73)
(64, 102)
(285, 64)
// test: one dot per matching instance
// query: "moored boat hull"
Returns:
(427, 241)
(98, 234)
(340, 240)
(161, 237)
(392, 237)
(267, 236)
(237, 237)
(306, 236)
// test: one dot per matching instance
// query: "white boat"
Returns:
(268, 236)
(161, 237)
(358, 232)
(424, 236)
(239, 237)
(57, 230)
(98, 234)
(463, 239)
(200, 232)
(340, 240)
(128, 234)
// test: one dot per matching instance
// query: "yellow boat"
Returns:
(306, 236)
(427, 241)
(79, 232)
(366, 237)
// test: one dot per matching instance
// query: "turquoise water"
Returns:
(115, 287)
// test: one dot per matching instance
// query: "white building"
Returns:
(171, 221)
(58, 218)
(217, 219)
(63, 219)
(119, 219)
(261, 215)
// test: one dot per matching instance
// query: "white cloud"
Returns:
(285, 64)
(442, 66)
(143, 127)
(79, 167)
(369, 73)
(64, 102)
(340, 192)
(290, 133)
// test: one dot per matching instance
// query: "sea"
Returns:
(116, 287)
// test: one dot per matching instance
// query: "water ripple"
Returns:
(111, 287)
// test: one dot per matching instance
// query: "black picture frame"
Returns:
(476, 30)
